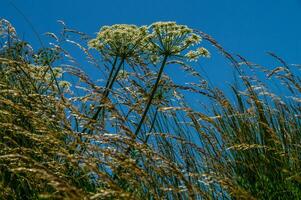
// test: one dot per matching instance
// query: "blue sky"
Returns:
(248, 27)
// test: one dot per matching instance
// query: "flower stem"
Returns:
(152, 125)
(108, 87)
(151, 95)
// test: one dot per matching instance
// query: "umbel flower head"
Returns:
(171, 39)
(194, 55)
(121, 40)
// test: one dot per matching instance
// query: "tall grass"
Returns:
(136, 136)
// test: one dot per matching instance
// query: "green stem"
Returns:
(107, 91)
(111, 72)
(108, 87)
(151, 95)
(152, 125)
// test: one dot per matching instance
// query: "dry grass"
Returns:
(53, 147)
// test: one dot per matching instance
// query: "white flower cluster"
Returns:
(169, 38)
(194, 55)
(157, 40)
(122, 40)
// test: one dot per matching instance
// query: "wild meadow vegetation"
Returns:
(130, 131)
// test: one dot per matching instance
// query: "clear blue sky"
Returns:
(247, 27)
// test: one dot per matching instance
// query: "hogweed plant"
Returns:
(168, 40)
(119, 43)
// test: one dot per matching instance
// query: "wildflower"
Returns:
(194, 55)
(170, 39)
(121, 40)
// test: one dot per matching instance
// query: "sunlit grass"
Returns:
(133, 135)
